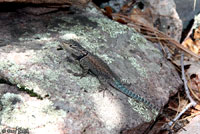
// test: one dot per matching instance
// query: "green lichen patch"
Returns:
(32, 70)
(138, 39)
(20, 114)
(89, 83)
(112, 30)
(141, 109)
(144, 45)
(140, 69)
(38, 37)
(92, 47)
(85, 34)
(106, 58)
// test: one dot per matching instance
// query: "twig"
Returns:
(192, 102)
(185, 82)
(194, 5)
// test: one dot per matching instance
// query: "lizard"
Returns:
(92, 63)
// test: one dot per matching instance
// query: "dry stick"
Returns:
(185, 82)
(192, 102)
(194, 5)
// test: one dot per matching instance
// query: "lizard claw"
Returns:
(76, 74)
(104, 89)
(79, 75)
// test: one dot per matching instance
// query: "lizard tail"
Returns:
(131, 94)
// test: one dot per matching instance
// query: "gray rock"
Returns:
(163, 14)
(192, 127)
(186, 10)
(31, 60)
(165, 17)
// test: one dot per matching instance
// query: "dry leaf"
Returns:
(193, 41)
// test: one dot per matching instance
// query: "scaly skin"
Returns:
(101, 70)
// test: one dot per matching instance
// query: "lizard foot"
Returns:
(76, 74)
(104, 89)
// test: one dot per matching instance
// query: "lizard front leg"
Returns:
(85, 69)
(104, 85)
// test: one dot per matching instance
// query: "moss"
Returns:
(29, 91)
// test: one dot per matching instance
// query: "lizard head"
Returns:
(75, 49)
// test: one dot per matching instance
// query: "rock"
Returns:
(192, 127)
(165, 17)
(115, 4)
(161, 13)
(76, 2)
(186, 11)
(32, 62)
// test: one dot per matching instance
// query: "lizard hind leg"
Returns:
(104, 85)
